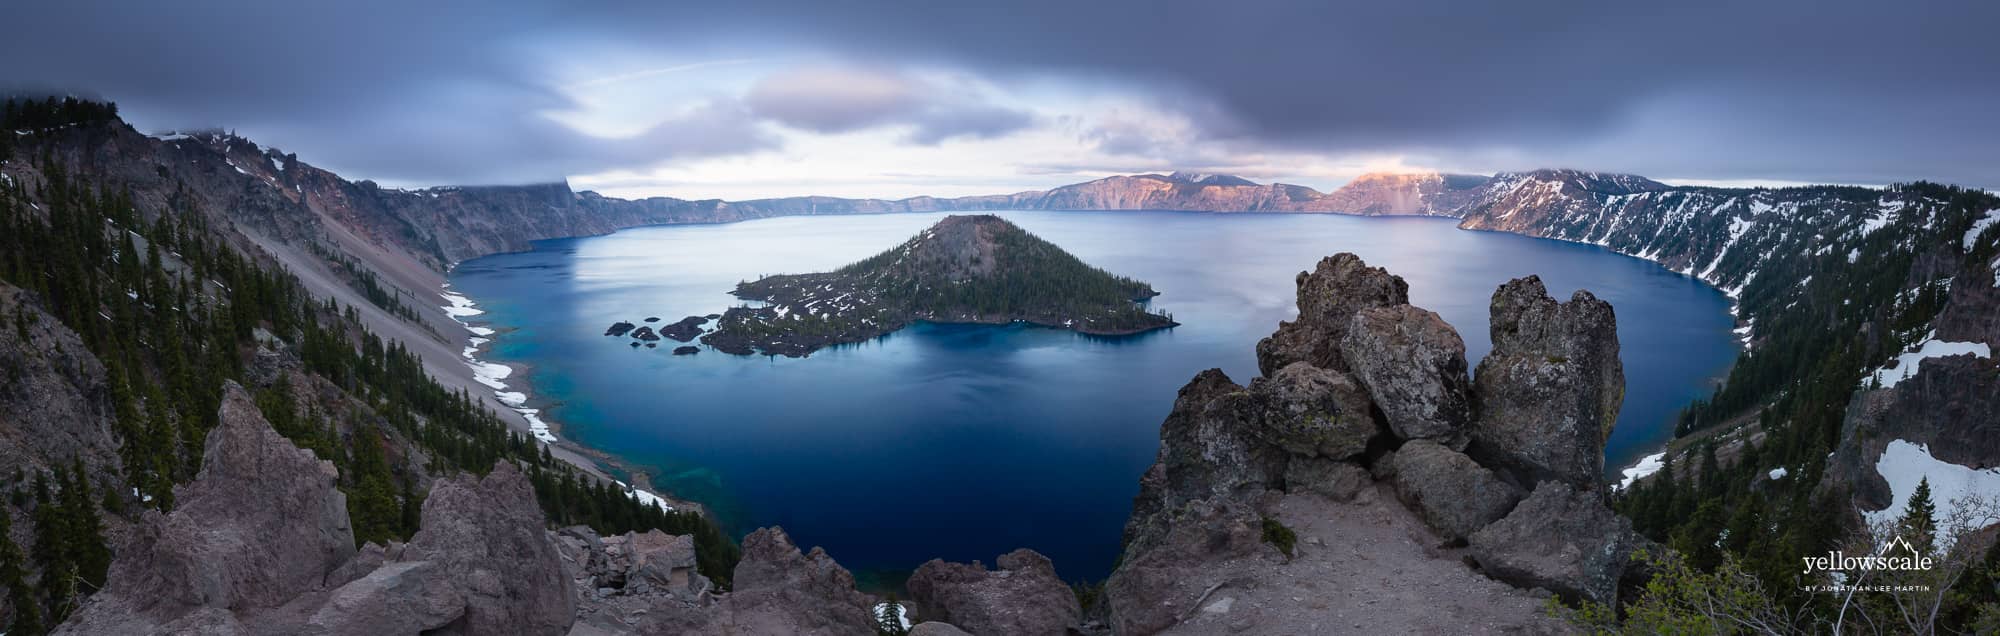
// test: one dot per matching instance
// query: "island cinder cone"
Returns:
(965, 269)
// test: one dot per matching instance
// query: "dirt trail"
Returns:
(1368, 567)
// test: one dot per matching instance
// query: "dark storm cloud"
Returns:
(1794, 89)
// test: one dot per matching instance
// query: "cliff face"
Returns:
(55, 403)
(1383, 194)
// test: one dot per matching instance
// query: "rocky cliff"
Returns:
(1365, 412)
(1420, 193)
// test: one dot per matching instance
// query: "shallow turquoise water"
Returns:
(964, 442)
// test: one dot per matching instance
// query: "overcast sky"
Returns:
(750, 99)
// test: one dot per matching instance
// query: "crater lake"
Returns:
(964, 442)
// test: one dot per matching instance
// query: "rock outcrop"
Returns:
(1328, 298)
(1560, 539)
(1024, 596)
(261, 543)
(1365, 407)
(260, 525)
(487, 536)
(778, 589)
(1550, 390)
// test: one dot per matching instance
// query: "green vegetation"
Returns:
(1030, 276)
(173, 310)
(1816, 342)
(1280, 537)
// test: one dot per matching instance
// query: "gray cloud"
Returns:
(832, 99)
(1783, 89)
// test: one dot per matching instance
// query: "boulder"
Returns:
(1023, 597)
(618, 328)
(1560, 539)
(1307, 410)
(687, 350)
(1454, 495)
(1160, 577)
(645, 333)
(1336, 480)
(1328, 297)
(1550, 390)
(487, 536)
(657, 561)
(933, 628)
(397, 598)
(1413, 365)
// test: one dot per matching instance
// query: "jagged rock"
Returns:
(659, 561)
(644, 333)
(1413, 364)
(1550, 390)
(397, 598)
(619, 328)
(1560, 539)
(1158, 578)
(1207, 449)
(809, 589)
(1023, 597)
(1309, 411)
(487, 536)
(1340, 286)
(1336, 480)
(934, 628)
(778, 590)
(1455, 495)
(260, 524)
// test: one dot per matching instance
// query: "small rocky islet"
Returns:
(686, 330)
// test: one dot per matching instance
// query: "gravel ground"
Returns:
(1368, 567)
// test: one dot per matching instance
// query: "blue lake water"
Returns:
(964, 442)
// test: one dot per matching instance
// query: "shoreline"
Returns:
(520, 399)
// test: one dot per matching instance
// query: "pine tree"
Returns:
(88, 549)
(889, 618)
(52, 552)
(27, 619)
(1920, 519)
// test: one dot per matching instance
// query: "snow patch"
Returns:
(1779, 472)
(1904, 464)
(1646, 466)
(1908, 364)
(902, 613)
(1972, 235)
(460, 306)
(492, 374)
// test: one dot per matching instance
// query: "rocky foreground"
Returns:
(1364, 483)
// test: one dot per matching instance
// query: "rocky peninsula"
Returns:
(965, 269)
